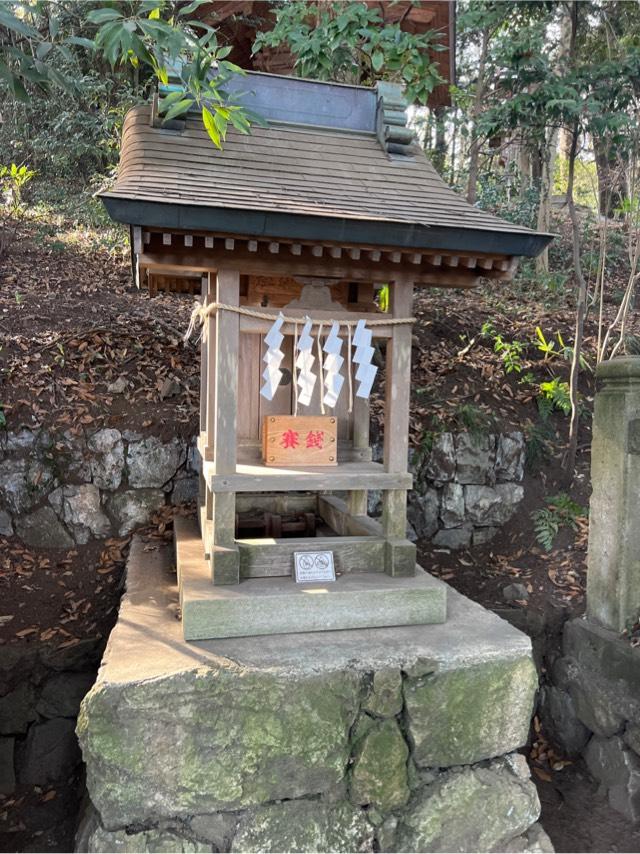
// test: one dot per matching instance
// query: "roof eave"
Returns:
(273, 224)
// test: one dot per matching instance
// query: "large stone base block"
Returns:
(373, 739)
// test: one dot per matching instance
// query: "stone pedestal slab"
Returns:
(278, 605)
(308, 742)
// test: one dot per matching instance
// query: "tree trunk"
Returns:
(612, 187)
(440, 148)
(581, 310)
(552, 135)
(581, 301)
(474, 146)
(546, 192)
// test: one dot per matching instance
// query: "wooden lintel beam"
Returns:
(264, 264)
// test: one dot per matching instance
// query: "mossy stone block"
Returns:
(303, 826)
(461, 716)
(385, 696)
(379, 774)
(219, 739)
(472, 809)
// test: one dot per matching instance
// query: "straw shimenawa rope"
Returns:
(201, 312)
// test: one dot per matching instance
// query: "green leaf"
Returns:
(162, 75)
(377, 60)
(178, 109)
(101, 16)
(7, 19)
(210, 125)
(81, 42)
(187, 10)
(239, 122)
(43, 49)
(154, 14)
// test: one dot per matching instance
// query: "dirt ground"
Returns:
(72, 325)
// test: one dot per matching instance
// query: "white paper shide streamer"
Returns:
(332, 362)
(273, 357)
(366, 372)
(304, 364)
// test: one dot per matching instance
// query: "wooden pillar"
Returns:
(222, 423)
(400, 553)
(357, 498)
(204, 342)
(209, 333)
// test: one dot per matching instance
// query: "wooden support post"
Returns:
(400, 553)
(224, 552)
(209, 334)
(357, 498)
(204, 292)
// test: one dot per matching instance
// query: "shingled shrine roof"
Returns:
(332, 165)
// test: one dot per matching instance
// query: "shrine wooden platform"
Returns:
(279, 605)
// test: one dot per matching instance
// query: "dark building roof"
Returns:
(332, 180)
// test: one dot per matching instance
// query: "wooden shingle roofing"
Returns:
(298, 181)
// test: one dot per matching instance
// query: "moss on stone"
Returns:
(470, 809)
(385, 696)
(462, 716)
(307, 826)
(379, 774)
(216, 739)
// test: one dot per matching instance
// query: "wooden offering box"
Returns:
(302, 440)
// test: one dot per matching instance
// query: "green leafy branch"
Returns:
(561, 512)
(183, 55)
(351, 43)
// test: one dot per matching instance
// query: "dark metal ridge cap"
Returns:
(268, 224)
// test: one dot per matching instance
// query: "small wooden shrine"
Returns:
(287, 236)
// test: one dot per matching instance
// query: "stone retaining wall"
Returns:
(40, 694)
(57, 491)
(466, 488)
(591, 707)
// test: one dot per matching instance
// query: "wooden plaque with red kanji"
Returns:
(302, 440)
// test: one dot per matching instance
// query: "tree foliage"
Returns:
(349, 42)
(45, 46)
